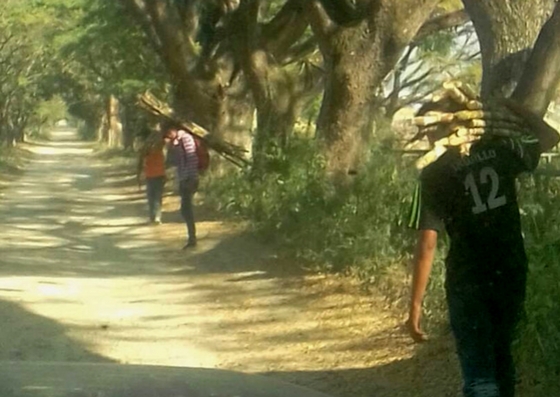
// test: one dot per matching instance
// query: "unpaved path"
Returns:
(82, 278)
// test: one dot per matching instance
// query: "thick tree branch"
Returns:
(300, 51)
(253, 61)
(187, 11)
(342, 12)
(165, 24)
(442, 22)
(319, 20)
(539, 81)
(285, 29)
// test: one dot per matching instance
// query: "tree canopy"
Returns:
(252, 71)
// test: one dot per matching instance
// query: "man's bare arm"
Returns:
(422, 266)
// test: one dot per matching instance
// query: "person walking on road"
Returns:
(183, 147)
(473, 198)
(151, 163)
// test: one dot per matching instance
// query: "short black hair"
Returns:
(167, 125)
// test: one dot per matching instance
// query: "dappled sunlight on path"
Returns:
(75, 249)
(84, 278)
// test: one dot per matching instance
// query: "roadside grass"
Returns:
(12, 162)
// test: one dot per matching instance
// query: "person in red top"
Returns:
(151, 162)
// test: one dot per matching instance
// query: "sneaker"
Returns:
(190, 244)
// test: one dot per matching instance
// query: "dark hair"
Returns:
(167, 125)
(144, 131)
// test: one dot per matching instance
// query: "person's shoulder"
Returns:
(184, 135)
(442, 166)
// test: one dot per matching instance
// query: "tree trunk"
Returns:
(277, 92)
(103, 129)
(276, 116)
(225, 111)
(358, 55)
(130, 124)
(507, 30)
(539, 83)
(208, 95)
(114, 126)
(354, 70)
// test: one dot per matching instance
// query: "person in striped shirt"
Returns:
(183, 149)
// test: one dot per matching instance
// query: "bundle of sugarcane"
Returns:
(233, 153)
(457, 118)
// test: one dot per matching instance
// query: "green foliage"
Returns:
(47, 114)
(24, 56)
(295, 203)
(438, 44)
(539, 345)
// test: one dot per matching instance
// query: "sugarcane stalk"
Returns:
(474, 121)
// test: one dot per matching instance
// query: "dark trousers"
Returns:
(154, 193)
(187, 189)
(483, 318)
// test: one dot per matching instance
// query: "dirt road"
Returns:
(82, 278)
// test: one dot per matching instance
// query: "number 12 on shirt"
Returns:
(486, 175)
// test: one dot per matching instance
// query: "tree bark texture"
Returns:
(507, 30)
(538, 85)
(359, 52)
(277, 91)
(203, 85)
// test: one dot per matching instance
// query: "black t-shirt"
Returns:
(474, 198)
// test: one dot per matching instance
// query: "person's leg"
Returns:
(506, 312)
(472, 327)
(150, 195)
(159, 184)
(187, 190)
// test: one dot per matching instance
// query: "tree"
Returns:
(272, 50)
(106, 54)
(191, 39)
(361, 43)
(507, 31)
(427, 62)
(24, 57)
(539, 82)
(227, 59)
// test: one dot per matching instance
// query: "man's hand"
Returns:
(413, 328)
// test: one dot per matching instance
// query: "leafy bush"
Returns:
(294, 203)
(539, 344)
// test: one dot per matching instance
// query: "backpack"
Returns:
(202, 154)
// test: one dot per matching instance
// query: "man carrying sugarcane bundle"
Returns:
(467, 186)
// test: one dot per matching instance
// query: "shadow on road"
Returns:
(75, 248)
(26, 336)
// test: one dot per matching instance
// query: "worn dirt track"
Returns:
(84, 279)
